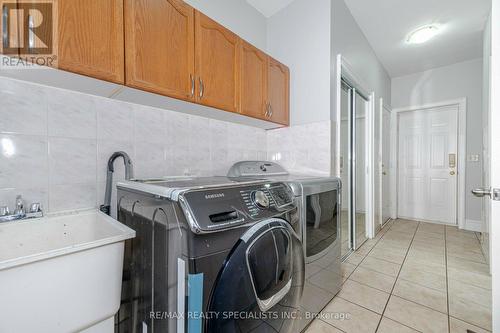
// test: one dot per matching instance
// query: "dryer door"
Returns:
(261, 282)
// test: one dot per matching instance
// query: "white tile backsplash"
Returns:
(55, 144)
(303, 149)
(23, 111)
(72, 161)
(71, 115)
(24, 161)
(115, 120)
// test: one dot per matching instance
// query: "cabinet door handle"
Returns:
(266, 114)
(202, 88)
(192, 84)
(270, 110)
(5, 26)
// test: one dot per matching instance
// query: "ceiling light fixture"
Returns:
(422, 34)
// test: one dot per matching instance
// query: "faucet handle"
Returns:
(35, 207)
(19, 205)
(4, 211)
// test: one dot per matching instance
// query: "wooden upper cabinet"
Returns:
(279, 92)
(159, 39)
(90, 38)
(217, 64)
(253, 78)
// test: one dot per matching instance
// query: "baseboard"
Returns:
(474, 225)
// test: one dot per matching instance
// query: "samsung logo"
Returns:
(214, 196)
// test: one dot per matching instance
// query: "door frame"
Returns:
(383, 106)
(345, 70)
(461, 103)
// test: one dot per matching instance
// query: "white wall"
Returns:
(464, 79)
(238, 16)
(299, 36)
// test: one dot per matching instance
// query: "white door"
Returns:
(427, 180)
(386, 160)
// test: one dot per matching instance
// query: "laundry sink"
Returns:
(61, 273)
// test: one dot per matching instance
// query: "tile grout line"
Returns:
(397, 277)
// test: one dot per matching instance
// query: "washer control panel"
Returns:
(217, 209)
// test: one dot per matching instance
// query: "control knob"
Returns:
(260, 199)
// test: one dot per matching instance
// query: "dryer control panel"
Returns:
(211, 210)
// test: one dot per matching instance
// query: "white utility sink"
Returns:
(61, 273)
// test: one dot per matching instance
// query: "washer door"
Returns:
(261, 282)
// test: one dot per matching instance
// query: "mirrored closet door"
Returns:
(353, 167)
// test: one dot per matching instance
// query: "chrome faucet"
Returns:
(106, 207)
(20, 213)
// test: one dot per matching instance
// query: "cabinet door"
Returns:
(159, 38)
(253, 87)
(90, 38)
(279, 92)
(217, 64)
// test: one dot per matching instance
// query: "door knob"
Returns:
(384, 173)
(481, 191)
(452, 173)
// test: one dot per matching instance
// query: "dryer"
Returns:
(210, 255)
(319, 202)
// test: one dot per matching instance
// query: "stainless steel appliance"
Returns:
(210, 255)
(319, 202)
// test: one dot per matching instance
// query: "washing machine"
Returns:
(210, 255)
(318, 200)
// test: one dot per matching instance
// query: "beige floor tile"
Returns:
(432, 249)
(415, 260)
(461, 241)
(453, 248)
(416, 275)
(388, 255)
(426, 258)
(373, 279)
(428, 267)
(319, 326)
(347, 270)
(355, 258)
(434, 299)
(426, 241)
(360, 320)
(388, 246)
(471, 256)
(430, 237)
(459, 326)
(469, 292)
(464, 264)
(480, 280)
(470, 312)
(360, 294)
(396, 245)
(381, 266)
(431, 228)
(416, 316)
(390, 326)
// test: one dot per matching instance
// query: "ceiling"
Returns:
(386, 24)
(270, 7)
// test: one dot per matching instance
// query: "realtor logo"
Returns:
(28, 30)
